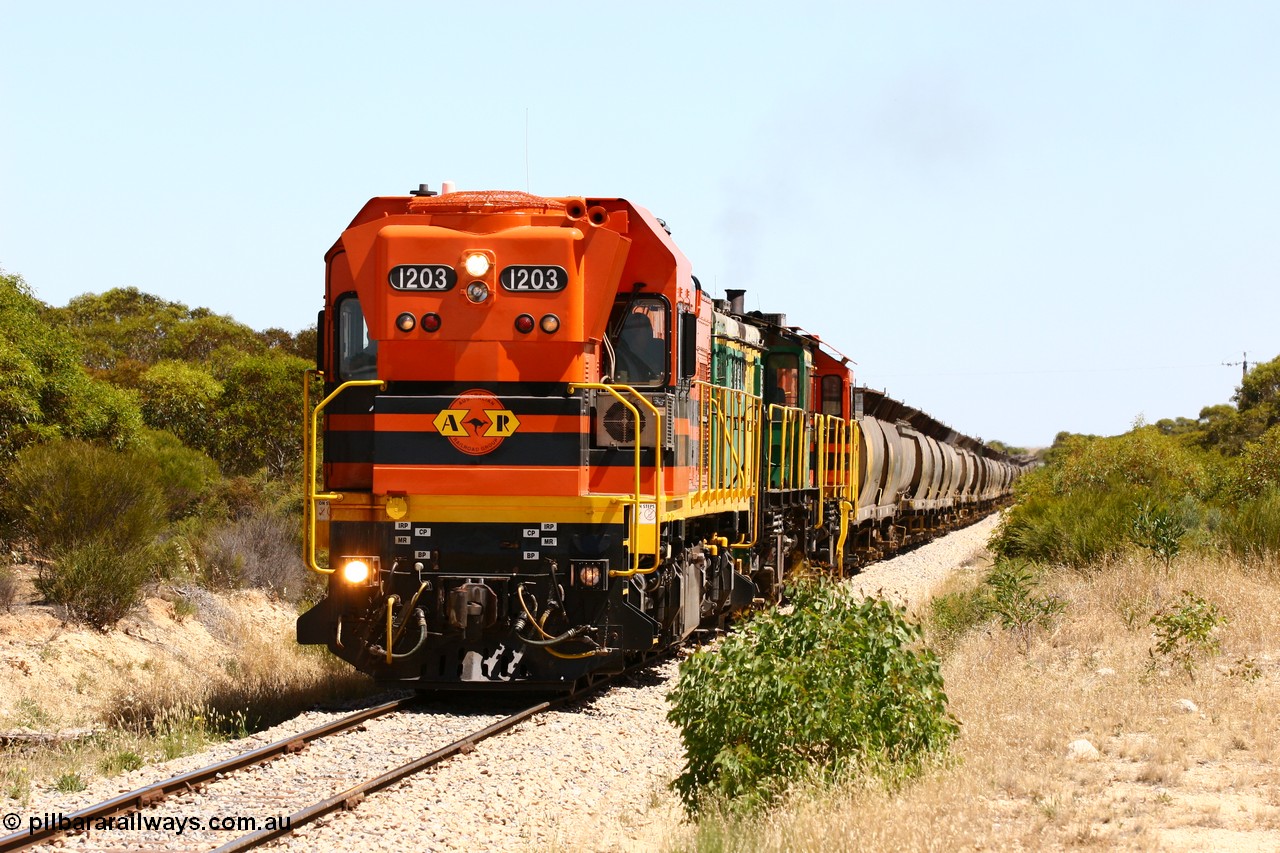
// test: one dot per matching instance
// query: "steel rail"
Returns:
(352, 797)
(140, 798)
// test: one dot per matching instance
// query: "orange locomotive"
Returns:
(547, 452)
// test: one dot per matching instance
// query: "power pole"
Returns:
(1243, 365)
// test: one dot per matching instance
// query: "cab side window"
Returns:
(782, 380)
(357, 352)
(640, 342)
(832, 394)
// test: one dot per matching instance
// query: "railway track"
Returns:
(155, 796)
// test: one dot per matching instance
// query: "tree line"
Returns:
(141, 439)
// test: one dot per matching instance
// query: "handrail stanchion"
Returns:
(310, 440)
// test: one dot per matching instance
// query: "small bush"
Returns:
(8, 587)
(833, 689)
(19, 786)
(954, 614)
(1159, 531)
(1260, 464)
(1186, 632)
(262, 551)
(1080, 530)
(66, 494)
(70, 783)
(1012, 597)
(120, 761)
(1252, 532)
(96, 583)
(186, 477)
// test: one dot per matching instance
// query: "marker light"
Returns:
(355, 571)
(431, 322)
(405, 322)
(477, 291)
(476, 264)
(524, 324)
(550, 324)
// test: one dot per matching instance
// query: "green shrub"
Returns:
(44, 391)
(93, 515)
(1186, 631)
(95, 582)
(120, 761)
(1160, 531)
(255, 431)
(954, 614)
(1099, 497)
(67, 494)
(1252, 532)
(1142, 457)
(1260, 465)
(1079, 529)
(183, 399)
(71, 782)
(187, 477)
(1011, 596)
(833, 689)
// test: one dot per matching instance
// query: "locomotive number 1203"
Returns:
(542, 279)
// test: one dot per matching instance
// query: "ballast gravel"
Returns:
(593, 777)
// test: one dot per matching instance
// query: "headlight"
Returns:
(476, 264)
(477, 291)
(589, 575)
(355, 571)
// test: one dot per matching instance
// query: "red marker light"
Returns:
(524, 324)
(430, 322)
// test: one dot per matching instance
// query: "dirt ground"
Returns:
(57, 676)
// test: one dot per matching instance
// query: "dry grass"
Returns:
(262, 683)
(1166, 778)
(183, 697)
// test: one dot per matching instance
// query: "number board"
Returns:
(422, 277)
(534, 279)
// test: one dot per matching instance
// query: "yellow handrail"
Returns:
(838, 445)
(658, 494)
(728, 461)
(820, 427)
(794, 426)
(310, 440)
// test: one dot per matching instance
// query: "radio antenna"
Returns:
(526, 150)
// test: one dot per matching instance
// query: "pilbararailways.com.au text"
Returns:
(140, 822)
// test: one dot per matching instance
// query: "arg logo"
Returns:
(476, 423)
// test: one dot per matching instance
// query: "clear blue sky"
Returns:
(1022, 217)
